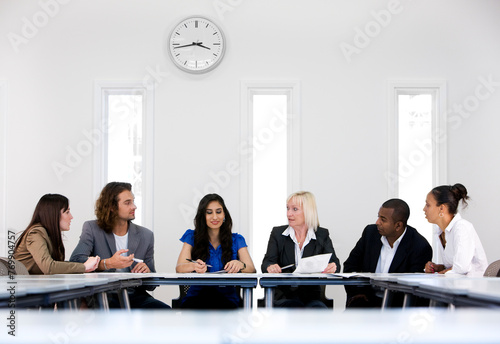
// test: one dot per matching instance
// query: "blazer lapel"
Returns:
(133, 239)
(309, 250)
(401, 252)
(110, 241)
(375, 254)
(289, 251)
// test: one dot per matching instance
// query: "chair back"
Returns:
(493, 270)
(328, 302)
(19, 268)
(183, 289)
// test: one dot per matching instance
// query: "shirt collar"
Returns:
(396, 243)
(455, 219)
(289, 231)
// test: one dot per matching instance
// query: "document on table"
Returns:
(313, 264)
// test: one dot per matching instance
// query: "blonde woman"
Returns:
(302, 237)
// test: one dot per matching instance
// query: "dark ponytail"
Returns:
(450, 195)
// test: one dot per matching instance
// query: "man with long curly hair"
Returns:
(122, 245)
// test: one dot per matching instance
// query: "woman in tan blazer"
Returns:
(40, 247)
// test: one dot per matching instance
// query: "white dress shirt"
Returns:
(464, 252)
(387, 253)
(299, 251)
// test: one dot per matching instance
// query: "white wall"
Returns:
(344, 103)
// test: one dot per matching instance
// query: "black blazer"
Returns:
(412, 254)
(281, 251)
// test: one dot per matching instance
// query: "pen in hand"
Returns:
(194, 261)
(286, 267)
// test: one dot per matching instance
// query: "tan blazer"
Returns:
(35, 250)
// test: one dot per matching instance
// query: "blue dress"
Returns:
(215, 260)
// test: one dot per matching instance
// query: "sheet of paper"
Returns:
(313, 264)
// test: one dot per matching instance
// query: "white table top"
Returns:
(260, 326)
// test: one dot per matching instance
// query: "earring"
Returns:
(441, 215)
(224, 220)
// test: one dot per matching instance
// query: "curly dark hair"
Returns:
(201, 239)
(48, 215)
(106, 206)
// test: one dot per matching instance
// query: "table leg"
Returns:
(124, 300)
(386, 301)
(408, 300)
(247, 298)
(269, 296)
(103, 301)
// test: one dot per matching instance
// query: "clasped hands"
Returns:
(330, 269)
(431, 268)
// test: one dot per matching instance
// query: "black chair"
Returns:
(493, 270)
(183, 289)
(327, 301)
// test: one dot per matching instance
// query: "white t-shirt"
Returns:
(122, 244)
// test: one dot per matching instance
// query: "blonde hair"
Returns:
(308, 203)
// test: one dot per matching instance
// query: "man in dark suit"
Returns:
(118, 241)
(390, 245)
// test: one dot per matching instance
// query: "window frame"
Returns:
(437, 88)
(248, 88)
(102, 89)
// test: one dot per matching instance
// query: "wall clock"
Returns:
(196, 45)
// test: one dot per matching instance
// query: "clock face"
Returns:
(196, 45)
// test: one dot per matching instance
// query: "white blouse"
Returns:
(464, 252)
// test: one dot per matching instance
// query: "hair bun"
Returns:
(460, 193)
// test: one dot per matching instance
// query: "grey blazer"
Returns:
(94, 241)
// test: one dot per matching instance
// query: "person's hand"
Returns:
(200, 266)
(117, 261)
(330, 268)
(141, 268)
(92, 263)
(274, 269)
(444, 271)
(431, 267)
(233, 266)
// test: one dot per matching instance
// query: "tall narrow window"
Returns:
(269, 167)
(271, 160)
(126, 154)
(419, 147)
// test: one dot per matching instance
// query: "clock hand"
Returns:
(187, 45)
(200, 44)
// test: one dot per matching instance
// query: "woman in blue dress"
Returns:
(212, 247)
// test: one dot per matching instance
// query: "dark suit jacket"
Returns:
(281, 251)
(94, 241)
(411, 256)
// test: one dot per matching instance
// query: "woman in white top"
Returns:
(458, 244)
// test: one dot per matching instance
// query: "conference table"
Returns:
(441, 289)
(45, 290)
(247, 282)
(261, 325)
(269, 281)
